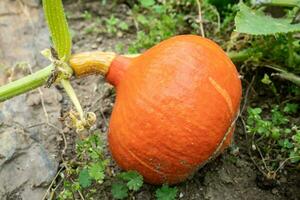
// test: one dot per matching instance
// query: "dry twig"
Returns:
(52, 182)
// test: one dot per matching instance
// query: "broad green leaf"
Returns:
(119, 191)
(58, 27)
(84, 178)
(257, 23)
(166, 193)
(133, 178)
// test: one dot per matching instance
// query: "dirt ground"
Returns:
(231, 176)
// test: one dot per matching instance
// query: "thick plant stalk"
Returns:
(25, 84)
(58, 27)
(291, 77)
(286, 75)
(243, 55)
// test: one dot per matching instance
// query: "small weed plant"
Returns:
(274, 136)
(90, 168)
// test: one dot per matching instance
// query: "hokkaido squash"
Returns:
(175, 107)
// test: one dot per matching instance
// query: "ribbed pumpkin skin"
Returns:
(173, 107)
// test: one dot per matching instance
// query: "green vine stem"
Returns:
(25, 84)
(72, 95)
(290, 50)
(243, 55)
(286, 75)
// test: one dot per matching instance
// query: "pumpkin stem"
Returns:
(108, 64)
(96, 62)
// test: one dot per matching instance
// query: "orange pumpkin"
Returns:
(175, 107)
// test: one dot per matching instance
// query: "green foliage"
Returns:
(126, 181)
(58, 27)
(224, 7)
(275, 136)
(123, 26)
(228, 18)
(119, 191)
(274, 38)
(156, 21)
(166, 193)
(91, 148)
(155, 28)
(87, 15)
(120, 47)
(266, 80)
(84, 178)
(291, 108)
(295, 154)
(96, 171)
(90, 166)
(256, 23)
(111, 24)
(133, 178)
(114, 24)
(147, 3)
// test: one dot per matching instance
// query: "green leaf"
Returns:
(287, 131)
(166, 193)
(277, 116)
(294, 156)
(290, 108)
(266, 80)
(96, 171)
(287, 144)
(254, 111)
(147, 3)
(58, 27)
(133, 178)
(257, 23)
(159, 9)
(87, 15)
(142, 19)
(296, 137)
(275, 133)
(119, 191)
(84, 178)
(123, 26)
